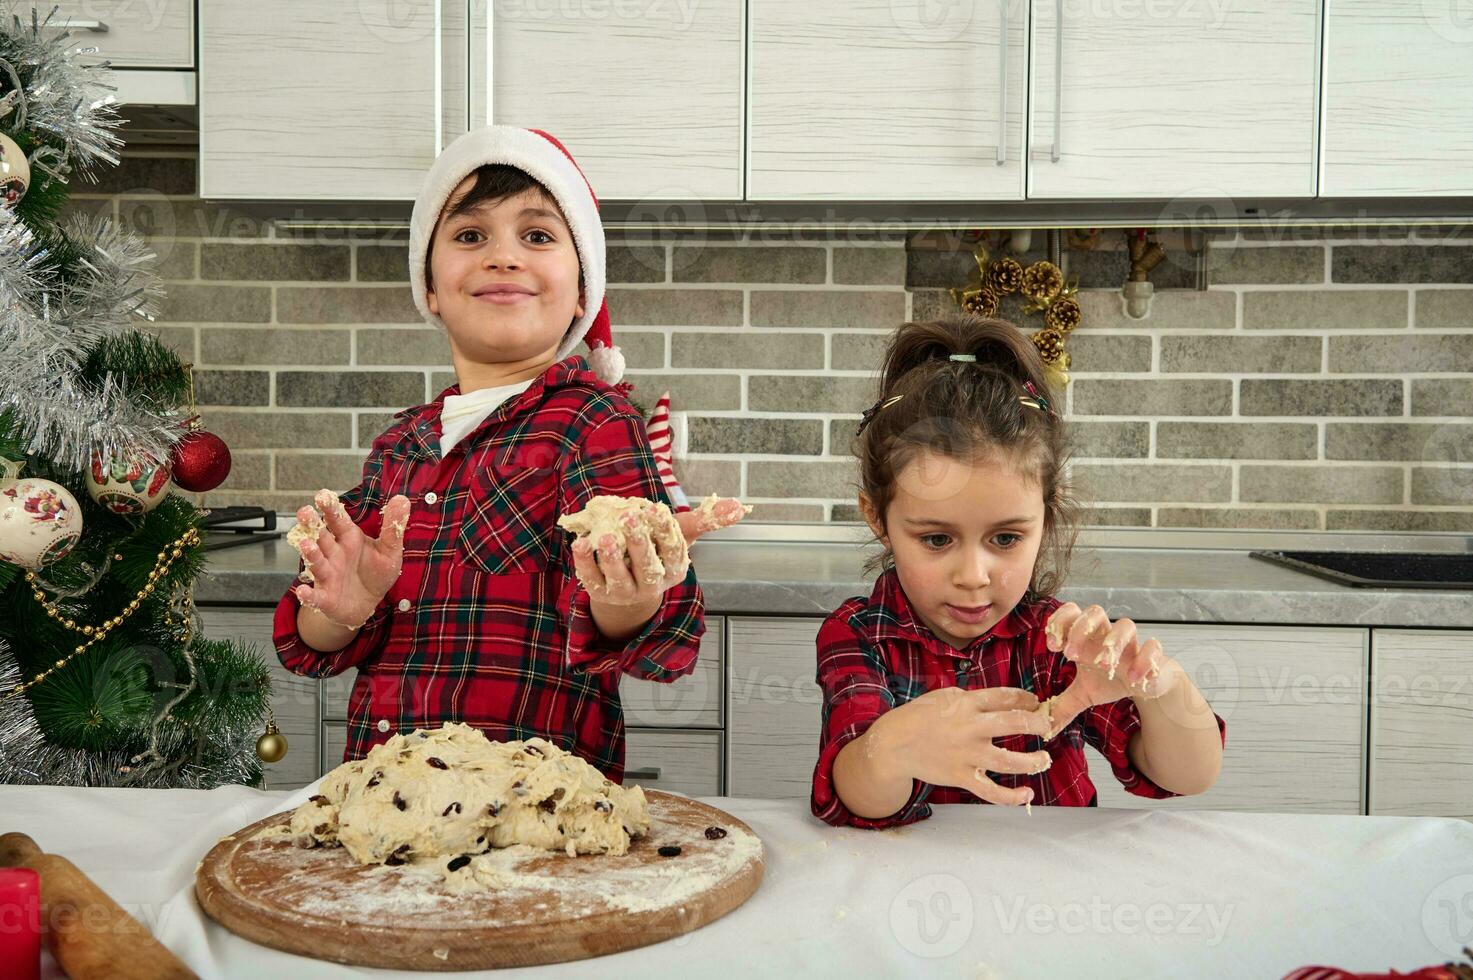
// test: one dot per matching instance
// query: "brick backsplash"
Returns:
(1324, 380)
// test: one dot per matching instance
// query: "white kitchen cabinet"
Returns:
(693, 701)
(774, 706)
(1422, 723)
(293, 697)
(686, 762)
(128, 33)
(1195, 100)
(326, 101)
(886, 100)
(1398, 99)
(1294, 702)
(647, 97)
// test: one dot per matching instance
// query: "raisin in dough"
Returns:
(452, 791)
(604, 515)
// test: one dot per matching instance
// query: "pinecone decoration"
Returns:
(1063, 314)
(1041, 281)
(1050, 343)
(982, 302)
(1004, 276)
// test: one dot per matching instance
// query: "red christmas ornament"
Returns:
(201, 462)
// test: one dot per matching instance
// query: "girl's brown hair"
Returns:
(968, 410)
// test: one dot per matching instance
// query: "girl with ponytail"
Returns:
(961, 678)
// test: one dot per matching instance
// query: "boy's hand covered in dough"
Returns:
(641, 551)
(349, 572)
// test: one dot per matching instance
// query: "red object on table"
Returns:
(20, 924)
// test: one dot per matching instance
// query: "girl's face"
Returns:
(520, 242)
(965, 537)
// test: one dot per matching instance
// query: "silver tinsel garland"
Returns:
(46, 326)
(68, 96)
(44, 329)
(26, 758)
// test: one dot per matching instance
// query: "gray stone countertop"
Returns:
(1148, 575)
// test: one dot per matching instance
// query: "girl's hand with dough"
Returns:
(351, 572)
(1113, 663)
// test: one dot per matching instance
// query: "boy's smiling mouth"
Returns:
(503, 293)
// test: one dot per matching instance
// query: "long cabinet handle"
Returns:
(1058, 79)
(1002, 84)
(651, 773)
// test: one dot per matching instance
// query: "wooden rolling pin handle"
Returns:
(16, 850)
(90, 936)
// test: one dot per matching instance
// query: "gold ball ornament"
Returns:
(983, 302)
(15, 171)
(1004, 276)
(1063, 314)
(1041, 281)
(271, 747)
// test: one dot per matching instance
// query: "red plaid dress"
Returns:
(487, 623)
(874, 655)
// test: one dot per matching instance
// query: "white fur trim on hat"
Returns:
(544, 162)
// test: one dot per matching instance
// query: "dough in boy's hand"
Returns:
(325, 501)
(607, 515)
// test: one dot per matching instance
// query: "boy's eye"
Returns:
(460, 236)
(545, 235)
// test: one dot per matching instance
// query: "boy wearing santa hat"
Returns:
(443, 576)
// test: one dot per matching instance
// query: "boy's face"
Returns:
(504, 278)
(963, 535)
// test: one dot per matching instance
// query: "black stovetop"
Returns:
(1380, 569)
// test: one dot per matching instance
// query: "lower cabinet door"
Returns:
(1293, 698)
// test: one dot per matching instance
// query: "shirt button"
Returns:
(404, 605)
(383, 724)
(431, 497)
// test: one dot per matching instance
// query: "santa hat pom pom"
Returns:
(608, 363)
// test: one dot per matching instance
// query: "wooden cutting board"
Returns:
(545, 907)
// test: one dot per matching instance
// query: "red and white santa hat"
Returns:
(549, 163)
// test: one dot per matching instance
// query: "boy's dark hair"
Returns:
(966, 411)
(494, 182)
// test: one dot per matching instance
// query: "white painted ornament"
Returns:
(15, 171)
(40, 521)
(128, 486)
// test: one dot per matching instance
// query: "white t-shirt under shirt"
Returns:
(460, 414)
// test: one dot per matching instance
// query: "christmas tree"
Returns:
(105, 678)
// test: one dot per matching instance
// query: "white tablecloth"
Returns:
(976, 891)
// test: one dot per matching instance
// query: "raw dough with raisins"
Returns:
(454, 792)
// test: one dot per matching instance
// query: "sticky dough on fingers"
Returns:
(604, 515)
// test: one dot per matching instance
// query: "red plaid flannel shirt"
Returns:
(874, 655)
(487, 623)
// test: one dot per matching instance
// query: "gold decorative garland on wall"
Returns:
(1044, 290)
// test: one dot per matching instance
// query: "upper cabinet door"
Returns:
(323, 101)
(647, 96)
(1398, 99)
(128, 33)
(886, 100)
(1184, 98)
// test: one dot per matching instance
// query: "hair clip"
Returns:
(1035, 398)
(869, 413)
(963, 357)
